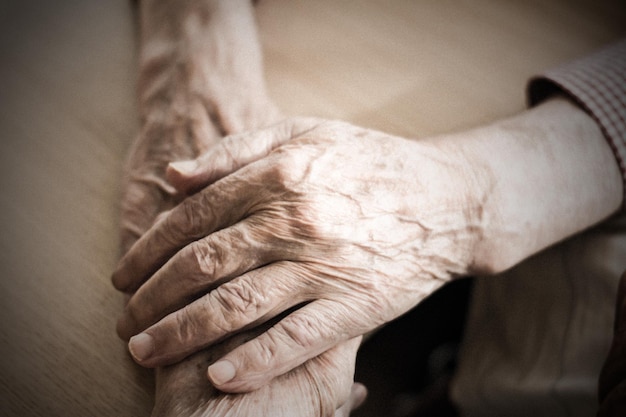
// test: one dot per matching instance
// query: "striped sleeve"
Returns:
(598, 84)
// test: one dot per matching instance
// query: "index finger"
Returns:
(219, 205)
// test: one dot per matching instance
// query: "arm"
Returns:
(360, 225)
(550, 173)
(201, 61)
(200, 78)
(364, 249)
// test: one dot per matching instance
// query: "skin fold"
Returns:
(200, 79)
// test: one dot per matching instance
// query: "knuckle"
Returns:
(192, 216)
(202, 323)
(205, 257)
(240, 301)
(187, 326)
(187, 220)
(287, 171)
(264, 352)
(303, 330)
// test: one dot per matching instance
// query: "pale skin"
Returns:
(357, 224)
(442, 208)
(201, 78)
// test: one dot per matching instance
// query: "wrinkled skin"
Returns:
(316, 388)
(200, 78)
(612, 385)
(186, 105)
(315, 212)
(310, 390)
(146, 191)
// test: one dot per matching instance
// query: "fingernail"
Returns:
(185, 167)
(221, 372)
(141, 346)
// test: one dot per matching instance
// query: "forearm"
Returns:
(201, 60)
(548, 174)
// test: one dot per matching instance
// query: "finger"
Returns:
(358, 394)
(192, 272)
(232, 153)
(219, 205)
(303, 334)
(239, 304)
(161, 216)
(142, 202)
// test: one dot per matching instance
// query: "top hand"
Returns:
(196, 85)
(358, 224)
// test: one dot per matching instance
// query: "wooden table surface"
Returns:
(68, 115)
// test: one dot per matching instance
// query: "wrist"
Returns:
(203, 55)
(549, 174)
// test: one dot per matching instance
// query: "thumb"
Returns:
(232, 153)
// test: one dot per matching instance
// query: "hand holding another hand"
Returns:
(320, 387)
(348, 227)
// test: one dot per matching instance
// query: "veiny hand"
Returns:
(351, 227)
(612, 385)
(183, 389)
(321, 386)
(201, 78)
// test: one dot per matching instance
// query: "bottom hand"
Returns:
(320, 387)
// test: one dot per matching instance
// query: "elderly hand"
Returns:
(200, 78)
(320, 387)
(612, 385)
(351, 227)
(146, 192)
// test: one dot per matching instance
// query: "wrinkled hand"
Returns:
(612, 385)
(146, 191)
(352, 226)
(192, 91)
(183, 389)
(200, 78)
(308, 391)
(322, 386)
